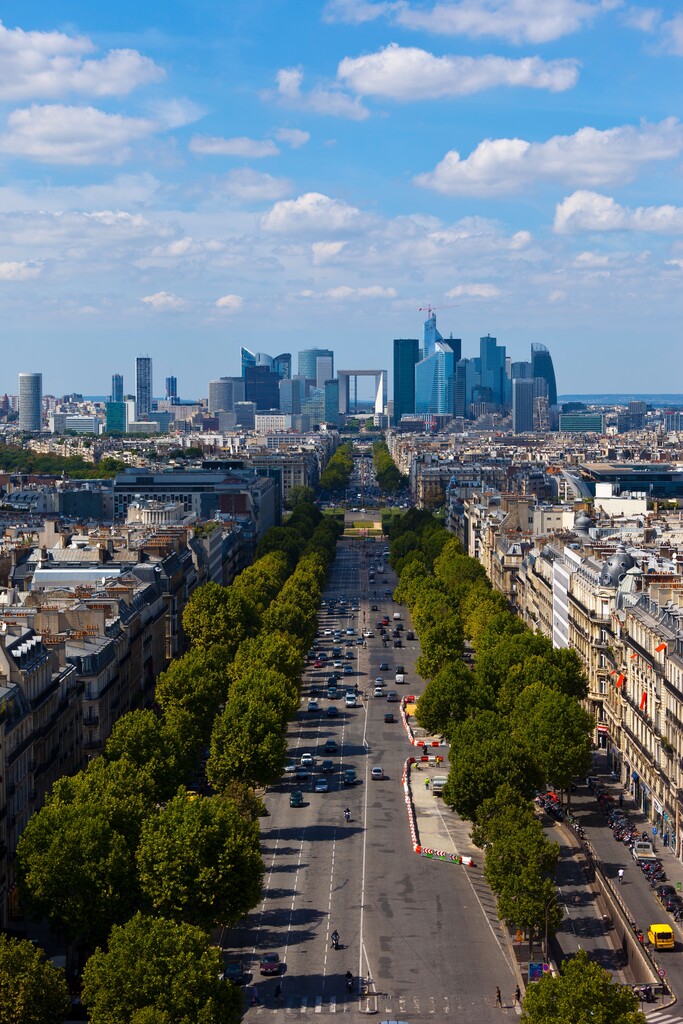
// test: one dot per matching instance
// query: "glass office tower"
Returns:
(406, 356)
(307, 360)
(143, 385)
(117, 387)
(542, 366)
(31, 401)
(434, 382)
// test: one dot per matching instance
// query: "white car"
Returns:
(377, 772)
(369, 634)
(378, 692)
(307, 760)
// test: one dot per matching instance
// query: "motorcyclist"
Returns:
(347, 814)
(335, 939)
(349, 981)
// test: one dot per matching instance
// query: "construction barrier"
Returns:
(425, 851)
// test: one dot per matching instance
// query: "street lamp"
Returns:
(553, 899)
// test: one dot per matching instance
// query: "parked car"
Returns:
(332, 711)
(384, 666)
(234, 972)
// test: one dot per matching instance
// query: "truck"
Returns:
(438, 782)
(643, 851)
(399, 678)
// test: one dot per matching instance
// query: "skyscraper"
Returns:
(221, 395)
(406, 355)
(542, 366)
(143, 385)
(30, 401)
(434, 382)
(282, 365)
(172, 390)
(307, 362)
(332, 401)
(492, 371)
(117, 387)
(324, 370)
(431, 336)
(261, 386)
(247, 359)
(525, 392)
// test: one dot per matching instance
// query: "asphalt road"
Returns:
(414, 928)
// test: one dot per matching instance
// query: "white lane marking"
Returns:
(333, 1005)
(304, 1003)
(318, 1004)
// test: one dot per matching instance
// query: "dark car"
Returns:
(384, 667)
(410, 635)
(398, 643)
(234, 971)
(389, 717)
(327, 767)
(349, 777)
(296, 799)
(270, 963)
(330, 747)
(373, 607)
(400, 669)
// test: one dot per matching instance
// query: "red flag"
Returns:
(661, 647)
(634, 655)
(613, 672)
(643, 700)
(620, 680)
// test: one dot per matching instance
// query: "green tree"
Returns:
(583, 993)
(298, 494)
(199, 861)
(247, 744)
(441, 644)
(448, 699)
(558, 729)
(158, 971)
(32, 990)
(498, 814)
(144, 741)
(217, 615)
(199, 682)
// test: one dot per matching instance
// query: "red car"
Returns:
(317, 663)
(270, 963)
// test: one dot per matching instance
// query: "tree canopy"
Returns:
(583, 993)
(32, 990)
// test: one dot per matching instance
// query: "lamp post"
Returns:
(553, 899)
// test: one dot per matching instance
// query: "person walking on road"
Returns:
(427, 781)
(517, 998)
(499, 1001)
(620, 874)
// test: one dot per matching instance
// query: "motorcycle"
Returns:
(349, 981)
(645, 993)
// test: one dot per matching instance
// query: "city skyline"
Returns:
(322, 172)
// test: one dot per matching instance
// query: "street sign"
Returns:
(654, 831)
(661, 972)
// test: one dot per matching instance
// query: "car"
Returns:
(350, 631)
(379, 681)
(290, 768)
(385, 620)
(398, 643)
(368, 634)
(349, 643)
(270, 963)
(313, 705)
(321, 786)
(307, 759)
(302, 772)
(373, 607)
(315, 690)
(389, 717)
(410, 635)
(359, 640)
(336, 652)
(400, 669)
(234, 972)
(337, 664)
(379, 624)
(317, 663)
(332, 693)
(384, 667)
(330, 747)
(296, 799)
(393, 697)
(377, 773)
(327, 766)
(348, 670)
(326, 632)
(332, 711)
(350, 700)
(349, 777)
(349, 655)
(378, 692)
(395, 632)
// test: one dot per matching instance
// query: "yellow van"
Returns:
(661, 936)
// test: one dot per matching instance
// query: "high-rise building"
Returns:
(431, 336)
(172, 390)
(116, 417)
(492, 371)
(542, 366)
(406, 356)
(291, 395)
(282, 365)
(332, 401)
(466, 380)
(247, 359)
(30, 401)
(117, 387)
(434, 382)
(261, 386)
(324, 370)
(143, 385)
(221, 395)
(245, 415)
(525, 393)
(307, 362)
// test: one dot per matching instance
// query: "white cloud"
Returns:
(239, 146)
(165, 302)
(230, 303)
(473, 291)
(591, 260)
(344, 292)
(327, 100)
(252, 187)
(293, 137)
(48, 65)
(19, 271)
(671, 36)
(325, 252)
(312, 212)
(590, 211)
(176, 113)
(589, 157)
(518, 21)
(408, 73)
(72, 135)
(644, 19)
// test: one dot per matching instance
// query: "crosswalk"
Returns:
(401, 1007)
(664, 1016)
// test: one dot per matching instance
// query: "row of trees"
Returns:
(514, 721)
(125, 835)
(337, 473)
(14, 459)
(387, 472)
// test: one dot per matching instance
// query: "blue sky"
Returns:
(181, 178)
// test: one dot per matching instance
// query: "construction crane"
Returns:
(429, 309)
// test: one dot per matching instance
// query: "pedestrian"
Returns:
(517, 999)
(499, 1001)
(621, 799)
(620, 873)
(278, 991)
(427, 780)
(255, 1001)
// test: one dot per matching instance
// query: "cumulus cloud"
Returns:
(165, 302)
(253, 187)
(473, 291)
(589, 157)
(517, 21)
(48, 65)
(345, 292)
(295, 138)
(321, 99)
(252, 149)
(19, 271)
(325, 252)
(590, 211)
(591, 260)
(408, 73)
(229, 303)
(58, 134)
(176, 113)
(671, 36)
(311, 213)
